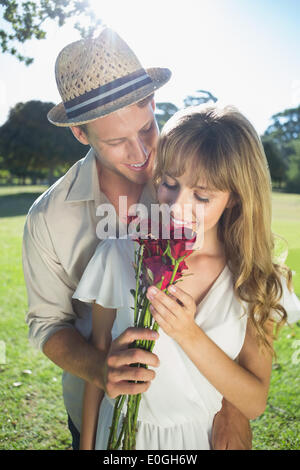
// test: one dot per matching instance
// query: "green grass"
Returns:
(32, 415)
(279, 426)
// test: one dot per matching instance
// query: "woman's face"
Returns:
(187, 203)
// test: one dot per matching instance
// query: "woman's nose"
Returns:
(181, 204)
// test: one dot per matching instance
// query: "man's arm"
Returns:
(49, 288)
(231, 429)
(51, 320)
(69, 350)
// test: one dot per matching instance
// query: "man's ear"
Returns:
(79, 134)
(153, 104)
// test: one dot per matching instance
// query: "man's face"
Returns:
(125, 142)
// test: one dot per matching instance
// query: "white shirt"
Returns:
(59, 240)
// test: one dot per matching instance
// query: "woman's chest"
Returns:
(198, 282)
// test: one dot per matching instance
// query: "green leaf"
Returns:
(132, 291)
(150, 274)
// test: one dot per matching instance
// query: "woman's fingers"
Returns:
(186, 299)
(162, 301)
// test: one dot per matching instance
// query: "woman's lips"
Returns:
(181, 222)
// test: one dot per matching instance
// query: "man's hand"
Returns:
(117, 370)
(231, 429)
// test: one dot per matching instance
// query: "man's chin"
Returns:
(139, 178)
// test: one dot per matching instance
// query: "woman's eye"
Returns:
(200, 198)
(169, 186)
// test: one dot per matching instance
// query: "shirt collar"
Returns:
(84, 187)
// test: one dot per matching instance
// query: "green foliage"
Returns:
(24, 20)
(164, 111)
(284, 129)
(293, 174)
(32, 147)
(277, 166)
(281, 142)
(200, 97)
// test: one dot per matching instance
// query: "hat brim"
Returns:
(57, 115)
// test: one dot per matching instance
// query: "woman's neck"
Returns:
(212, 248)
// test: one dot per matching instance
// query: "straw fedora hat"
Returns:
(96, 77)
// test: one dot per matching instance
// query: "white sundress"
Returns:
(177, 411)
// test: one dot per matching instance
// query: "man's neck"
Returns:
(114, 185)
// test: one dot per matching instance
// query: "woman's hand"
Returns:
(174, 313)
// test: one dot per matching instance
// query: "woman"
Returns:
(217, 327)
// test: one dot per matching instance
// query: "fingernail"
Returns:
(154, 334)
(153, 290)
(172, 288)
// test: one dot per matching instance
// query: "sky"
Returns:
(245, 52)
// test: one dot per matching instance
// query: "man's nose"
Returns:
(137, 150)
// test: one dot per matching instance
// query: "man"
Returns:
(108, 104)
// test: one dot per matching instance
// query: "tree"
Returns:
(293, 173)
(284, 129)
(32, 147)
(164, 111)
(277, 165)
(24, 20)
(201, 96)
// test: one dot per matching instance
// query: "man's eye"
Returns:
(148, 128)
(114, 144)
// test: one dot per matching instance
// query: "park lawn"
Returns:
(32, 414)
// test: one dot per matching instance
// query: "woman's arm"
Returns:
(244, 384)
(103, 319)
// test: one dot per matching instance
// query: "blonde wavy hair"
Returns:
(222, 145)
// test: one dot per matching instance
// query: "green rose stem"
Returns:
(129, 425)
(134, 405)
(137, 282)
(113, 430)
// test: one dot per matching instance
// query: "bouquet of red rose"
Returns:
(158, 262)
